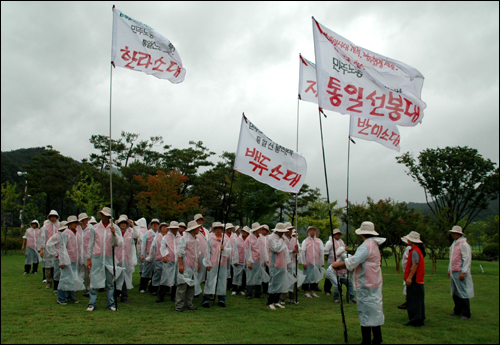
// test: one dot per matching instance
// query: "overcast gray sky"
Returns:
(244, 57)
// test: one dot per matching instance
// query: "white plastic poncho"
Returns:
(170, 268)
(460, 262)
(329, 249)
(142, 226)
(279, 261)
(211, 259)
(312, 256)
(405, 260)
(292, 278)
(101, 254)
(47, 231)
(146, 244)
(31, 235)
(238, 260)
(202, 239)
(127, 257)
(331, 274)
(368, 281)
(188, 248)
(70, 256)
(254, 255)
(156, 259)
(232, 239)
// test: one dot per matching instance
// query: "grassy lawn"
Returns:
(30, 314)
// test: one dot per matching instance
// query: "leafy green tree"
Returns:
(458, 182)
(87, 195)
(10, 198)
(317, 215)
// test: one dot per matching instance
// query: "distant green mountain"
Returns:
(12, 162)
(492, 210)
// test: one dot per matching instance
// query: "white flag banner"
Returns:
(138, 47)
(307, 81)
(267, 161)
(383, 133)
(356, 81)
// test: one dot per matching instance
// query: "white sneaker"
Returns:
(279, 306)
(272, 307)
(233, 293)
(112, 308)
(44, 281)
(142, 291)
(242, 293)
(24, 273)
(314, 294)
(307, 295)
(90, 308)
(282, 302)
(35, 272)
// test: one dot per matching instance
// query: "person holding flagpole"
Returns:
(238, 262)
(231, 237)
(100, 260)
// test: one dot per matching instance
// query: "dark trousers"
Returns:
(366, 333)
(265, 286)
(328, 286)
(243, 283)
(415, 298)
(273, 298)
(123, 292)
(144, 285)
(27, 268)
(310, 287)
(250, 289)
(462, 306)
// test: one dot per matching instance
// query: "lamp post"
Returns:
(23, 173)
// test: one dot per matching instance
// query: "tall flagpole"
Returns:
(297, 214)
(347, 200)
(331, 226)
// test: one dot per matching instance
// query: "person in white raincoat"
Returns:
(215, 260)
(170, 266)
(30, 239)
(238, 262)
(100, 259)
(255, 257)
(157, 259)
(231, 237)
(293, 252)
(148, 266)
(83, 234)
(126, 256)
(263, 234)
(368, 279)
(329, 248)
(343, 275)
(403, 265)
(48, 230)
(202, 238)
(313, 261)
(279, 261)
(188, 251)
(462, 287)
(143, 228)
(69, 256)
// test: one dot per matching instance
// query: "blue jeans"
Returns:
(65, 296)
(110, 290)
(258, 290)
(343, 281)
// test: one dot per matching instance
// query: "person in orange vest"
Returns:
(414, 280)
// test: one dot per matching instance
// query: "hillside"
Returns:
(12, 162)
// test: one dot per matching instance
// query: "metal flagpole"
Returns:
(224, 231)
(347, 202)
(110, 171)
(297, 215)
(331, 226)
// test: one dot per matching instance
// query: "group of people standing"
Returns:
(83, 254)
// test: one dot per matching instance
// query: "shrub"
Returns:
(386, 253)
(491, 251)
(12, 243)
(479, 256)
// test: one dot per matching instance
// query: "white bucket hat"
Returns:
(256, 226)
(366, 228)
(82, 216)
(53, 213)
(182, 225)
(106, 211)
(337, 231)
(192, 225)
(457, 230)
(404, 240)
(154, 220)
(92, 220)
(311, 228)
(280, 227)
(289, 226)
(230, 226)
(173, 225)
(63, 225)
(216, 225)
(163, 224)
(265, 227)
(123, 218)
(413, 237)
(199, 216)
(246, 229)
(72, 219)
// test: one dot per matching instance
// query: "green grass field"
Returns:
(30, 314)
